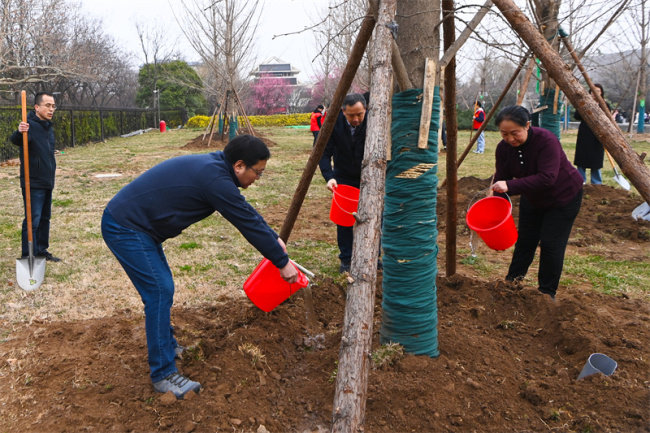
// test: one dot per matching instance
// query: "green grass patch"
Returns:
(609, 276)
(189, 246)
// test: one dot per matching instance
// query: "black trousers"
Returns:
(550, 229)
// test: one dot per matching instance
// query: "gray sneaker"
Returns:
(178, 351)
(178, 384)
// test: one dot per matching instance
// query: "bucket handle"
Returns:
(471, 202)
(339, 206)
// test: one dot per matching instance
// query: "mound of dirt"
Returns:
(509, 358)
(216, 143)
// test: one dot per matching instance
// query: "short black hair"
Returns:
(320, 106)
(353, 98)
(39, 97)
(514, 113)
(600, 86)
(479, 103)
(246, 148)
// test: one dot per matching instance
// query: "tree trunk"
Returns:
(609, 135)
(449, 35)
(419, 35)
(356, 341)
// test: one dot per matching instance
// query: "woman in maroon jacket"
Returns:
(530, 162)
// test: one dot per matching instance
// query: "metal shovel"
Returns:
(617, 176)
(30, 270)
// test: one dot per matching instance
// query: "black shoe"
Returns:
(345, 267)
(50, 258)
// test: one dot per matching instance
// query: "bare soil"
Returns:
(509, 355)
(216, 143)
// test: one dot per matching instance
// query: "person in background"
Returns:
(317, 117)
(345, 149)
(160, 204)
(477, 121)
(589, 150)
(42, 164)
(530, 162)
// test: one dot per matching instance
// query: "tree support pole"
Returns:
(365, 32)
(609, 135)
(356, 342)
(451, 217)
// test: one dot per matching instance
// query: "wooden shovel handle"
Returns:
(28, 196)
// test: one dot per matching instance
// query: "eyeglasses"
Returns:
(52, 106)
(259, 173)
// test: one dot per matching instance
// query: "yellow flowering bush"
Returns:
(198, 122)
(273, 120)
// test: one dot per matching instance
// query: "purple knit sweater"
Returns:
(538, 169)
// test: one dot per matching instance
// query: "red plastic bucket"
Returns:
(345, 201)
(491, 218)
(266, 288)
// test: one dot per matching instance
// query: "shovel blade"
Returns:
(30, 279)
(622, 182)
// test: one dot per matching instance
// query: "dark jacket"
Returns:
(589, 151)
(538, 170)
(171, 196)
(42, 164)
(346, 151)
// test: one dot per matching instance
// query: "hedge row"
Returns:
(74, 127)
(273, 120)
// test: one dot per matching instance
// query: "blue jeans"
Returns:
(480, 143)
(596, 177)
(41, 203)
(144, 262)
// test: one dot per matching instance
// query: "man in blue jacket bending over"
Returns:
(159, 205)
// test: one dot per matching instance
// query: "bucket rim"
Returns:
(505, 218)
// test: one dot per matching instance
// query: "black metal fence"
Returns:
(79, 126)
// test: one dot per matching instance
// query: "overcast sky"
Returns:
(278, 17)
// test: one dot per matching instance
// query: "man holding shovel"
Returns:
(159, 205)
(40, 133)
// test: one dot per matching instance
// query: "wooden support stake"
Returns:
(557, 95)
(354, 368)
(428, 88)
(243, 113)
(350, 70)
(524, 85)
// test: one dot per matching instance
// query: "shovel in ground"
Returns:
(617, 176)
(30, 270)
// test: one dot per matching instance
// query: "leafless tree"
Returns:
(222, 34)
(51, 45)
(335, 32)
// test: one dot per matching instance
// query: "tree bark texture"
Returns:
(610, 136)
(418, 36)
(449, 37)
(356, 341)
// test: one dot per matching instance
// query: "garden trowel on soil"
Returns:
(30, 270)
